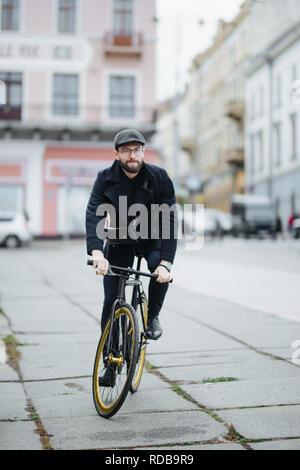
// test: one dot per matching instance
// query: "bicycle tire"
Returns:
(108, 400)
(136, 380)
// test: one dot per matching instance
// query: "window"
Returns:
(277, 144)
(11, 198)
(253, 105)
(65, 94)
(260, 150)
(66, 16)
(252, 154)
(261, 100)
(294, 72)
(10, 12)
(278, 91)
(13, 96)
(293, 123)
(123, 17)
(122, 97)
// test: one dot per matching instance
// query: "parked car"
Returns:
(211, 222)
(252, 215)
(14, 229)
(296, 228)
(200, 222)
(223, 221)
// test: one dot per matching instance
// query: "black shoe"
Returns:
(154, 330)
(108, 379)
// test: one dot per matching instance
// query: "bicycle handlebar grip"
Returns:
(154, 276)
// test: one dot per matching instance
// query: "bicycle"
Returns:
(123, 342)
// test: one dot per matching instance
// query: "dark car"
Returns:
(253, 215)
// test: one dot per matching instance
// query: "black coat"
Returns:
(155, 188)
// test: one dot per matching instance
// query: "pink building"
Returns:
(75, 73)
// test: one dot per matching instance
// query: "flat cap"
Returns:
(128, 135)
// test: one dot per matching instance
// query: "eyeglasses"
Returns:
(127, 152)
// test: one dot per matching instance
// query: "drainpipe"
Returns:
(270, 179)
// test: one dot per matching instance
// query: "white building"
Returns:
(273, 123)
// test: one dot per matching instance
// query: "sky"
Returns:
(183, 17)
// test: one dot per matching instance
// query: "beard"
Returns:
(131, 169)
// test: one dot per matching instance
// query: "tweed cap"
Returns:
(128, 135)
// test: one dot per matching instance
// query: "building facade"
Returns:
(218, 79)
(73, 73)
(210, 116)
(273, 123)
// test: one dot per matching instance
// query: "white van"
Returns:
(14, 229)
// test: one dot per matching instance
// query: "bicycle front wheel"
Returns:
(122, 356)
(141, 350)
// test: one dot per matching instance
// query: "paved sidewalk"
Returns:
(221, 377)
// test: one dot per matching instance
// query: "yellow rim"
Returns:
(140, 364)
(102, 406)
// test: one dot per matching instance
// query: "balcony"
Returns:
(10, 113)
(122, 43)
(235, 110)
(235, 157)
(188, 144)
(78, 123)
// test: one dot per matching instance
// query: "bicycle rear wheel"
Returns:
(141, 349)
(123, 356)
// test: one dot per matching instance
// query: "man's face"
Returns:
(131, 157)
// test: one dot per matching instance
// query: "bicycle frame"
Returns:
(137, 298)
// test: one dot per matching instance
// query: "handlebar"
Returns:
(125, 270)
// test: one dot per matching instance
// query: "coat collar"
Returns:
(144, 192)
(114, 172)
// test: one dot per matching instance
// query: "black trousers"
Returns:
(123, 255)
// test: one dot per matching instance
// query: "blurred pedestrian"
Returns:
(290, 222)
(279, 226)
(292, 217)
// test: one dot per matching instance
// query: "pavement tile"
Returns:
(265, 423)
(7, 373)
(264, 368)
(132, 430)
(13, 401)
(183, 334)
(192, 448)
(73, 398)
(55, 314)
(19, 436)
(282, 444)
(56, 360)
(244, 393)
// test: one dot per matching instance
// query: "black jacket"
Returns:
(155, 187)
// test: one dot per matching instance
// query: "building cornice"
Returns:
(224, 31)
(287, 39)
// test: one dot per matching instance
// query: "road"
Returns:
(223, 376)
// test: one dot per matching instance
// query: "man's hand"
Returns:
(163, 274)
(100, 262)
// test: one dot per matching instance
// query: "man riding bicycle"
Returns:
(143, 184)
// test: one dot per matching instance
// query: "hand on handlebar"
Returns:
(163, 275)
(100, 263)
